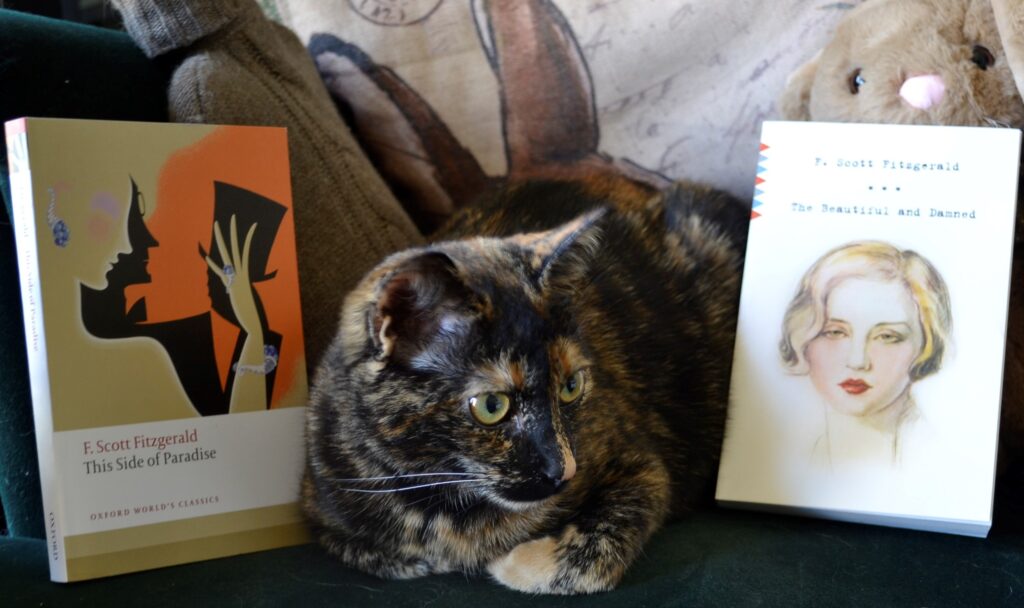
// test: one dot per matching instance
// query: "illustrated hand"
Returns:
(235, 276)
(248, 393)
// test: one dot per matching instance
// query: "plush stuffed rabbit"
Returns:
(942, 62)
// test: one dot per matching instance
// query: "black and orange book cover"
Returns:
(161, 298)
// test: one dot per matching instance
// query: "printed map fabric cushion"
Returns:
(449, 94)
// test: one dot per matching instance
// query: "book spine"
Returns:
(24, 219)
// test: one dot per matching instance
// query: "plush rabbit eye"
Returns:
(982, 57)
(571, 388)
(490, 408)
(855, 81)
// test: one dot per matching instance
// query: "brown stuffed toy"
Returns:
(941, 62)
(932, 62)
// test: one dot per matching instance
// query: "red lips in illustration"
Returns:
(854, 386)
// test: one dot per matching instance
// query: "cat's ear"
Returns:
(572, 244)
(421, 303)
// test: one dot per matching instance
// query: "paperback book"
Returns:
(161, 306)
(868, 366)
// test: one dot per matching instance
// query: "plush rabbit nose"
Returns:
(923, 92)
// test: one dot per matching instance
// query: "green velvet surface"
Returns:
(55, 69)
(714, 558)
(61, 69)
(19, 473)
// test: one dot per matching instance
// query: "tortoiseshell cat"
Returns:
(534, 406)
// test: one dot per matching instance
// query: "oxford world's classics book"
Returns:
(161, 305)
(868, 365)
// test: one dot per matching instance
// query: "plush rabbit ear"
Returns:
(1010, 20)
(548, 107)
(548, 111)
(794, 104)
(431, 173)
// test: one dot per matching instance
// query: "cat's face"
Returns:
(471, 364)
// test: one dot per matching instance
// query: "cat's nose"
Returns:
(554, 473)
(923, 92)
(557, 472)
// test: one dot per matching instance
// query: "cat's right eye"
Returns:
(572, 388)
(490, 408)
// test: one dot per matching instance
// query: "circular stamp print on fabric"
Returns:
(395, 12)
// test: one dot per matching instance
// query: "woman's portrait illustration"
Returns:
(189, 340)
(868, 321)
(172, 265)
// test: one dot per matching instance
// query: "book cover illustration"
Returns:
(160, 291)
(868, 365)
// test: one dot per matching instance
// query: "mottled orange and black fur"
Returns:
(607, 326)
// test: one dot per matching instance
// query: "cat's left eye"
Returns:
(490, 408)
(572, 388)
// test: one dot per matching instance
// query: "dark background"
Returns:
(95, 12)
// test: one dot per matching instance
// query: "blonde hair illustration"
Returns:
(873, 260)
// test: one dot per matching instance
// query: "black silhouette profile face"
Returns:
(131, 268)
(103, 311)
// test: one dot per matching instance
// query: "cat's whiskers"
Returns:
(409, 476)
(435, 484)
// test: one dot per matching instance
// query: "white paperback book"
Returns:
(868, 368)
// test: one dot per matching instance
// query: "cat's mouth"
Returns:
(526, 494)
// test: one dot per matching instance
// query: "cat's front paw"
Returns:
(404, 569)
(376, 561)
(530, 567)
(540, 566)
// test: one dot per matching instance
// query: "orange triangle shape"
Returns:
(764, 147)
(758, 181)
(754, 215)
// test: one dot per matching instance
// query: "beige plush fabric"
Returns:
(1010, 20)
(240, 68)
(680, 88)
(901, 49)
